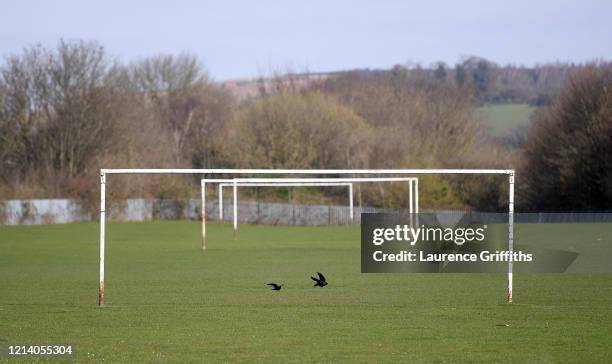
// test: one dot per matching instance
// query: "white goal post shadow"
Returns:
(104, 172)
(413, 194)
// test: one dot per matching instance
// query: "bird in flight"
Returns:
(321, 282)
(275, 287)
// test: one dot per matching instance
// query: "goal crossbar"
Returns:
(205, 171)
(301, 171)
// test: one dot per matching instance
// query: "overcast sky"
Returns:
(238, 39)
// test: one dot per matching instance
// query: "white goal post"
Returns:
(276, 182)
(212, 171)
(413, 192)
(285, 184)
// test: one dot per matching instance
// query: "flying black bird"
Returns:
(275, 287)
(321, 282)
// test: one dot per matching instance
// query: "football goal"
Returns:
(413, 194)
(268, 183)
(223, 185)
(349, 178)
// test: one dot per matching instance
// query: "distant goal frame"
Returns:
(413, 192)
(510, 173)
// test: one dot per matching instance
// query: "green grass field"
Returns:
(169, 302)
(501, 119)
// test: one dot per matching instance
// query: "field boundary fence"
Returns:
(58, 211)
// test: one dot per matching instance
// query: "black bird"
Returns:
(275, 287)
(321, 282)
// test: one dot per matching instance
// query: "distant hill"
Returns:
(489, 82)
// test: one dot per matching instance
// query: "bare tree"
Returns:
(56, 109)
(173, 85)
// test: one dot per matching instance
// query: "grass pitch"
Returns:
(167, 301)
(501, 119)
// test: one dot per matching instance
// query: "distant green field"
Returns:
(169, 302)
(502, 118)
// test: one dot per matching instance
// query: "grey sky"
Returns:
(237, 39)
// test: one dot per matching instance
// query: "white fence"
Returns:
(54, 211)
(32, 212)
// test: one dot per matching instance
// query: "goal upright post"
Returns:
(351, 205)
(102, 236)
(510, 233)
(235, 187)
(203, 212)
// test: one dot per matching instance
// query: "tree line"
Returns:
(490, 82)
(68, 111)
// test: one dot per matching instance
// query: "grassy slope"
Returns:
(170, 302)
(502, 118)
